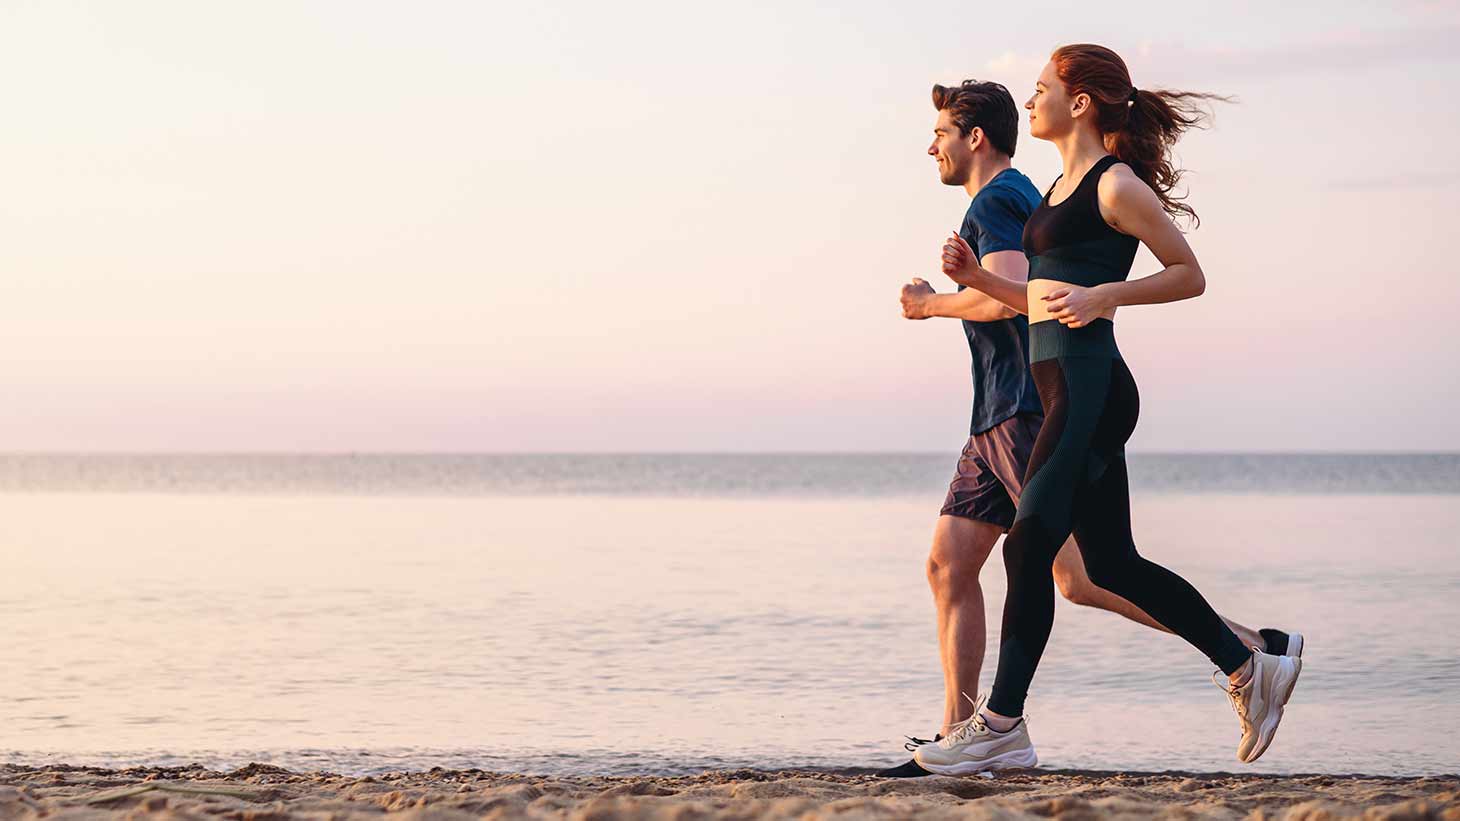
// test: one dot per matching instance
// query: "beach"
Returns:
(260, 792)
(661, 410)
(327, 637)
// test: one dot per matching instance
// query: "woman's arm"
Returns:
(1003, 276)
(1131, 207)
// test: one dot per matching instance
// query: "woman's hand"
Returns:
(959, 262)
(1076, 306)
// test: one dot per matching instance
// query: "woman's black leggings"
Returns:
(1076, 482)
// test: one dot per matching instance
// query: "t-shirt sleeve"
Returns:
(996, 221)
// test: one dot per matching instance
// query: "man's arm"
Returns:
(920, 301)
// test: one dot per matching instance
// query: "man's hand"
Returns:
(959, 262)
(1076, 306)
(915, 297)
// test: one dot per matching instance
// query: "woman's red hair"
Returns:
(1140, 127)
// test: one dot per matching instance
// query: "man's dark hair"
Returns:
(981, 105)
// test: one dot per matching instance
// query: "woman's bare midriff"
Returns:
(1041, 288)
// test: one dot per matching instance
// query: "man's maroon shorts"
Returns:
(991, 471)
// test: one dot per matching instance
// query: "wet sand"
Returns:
(260, 792)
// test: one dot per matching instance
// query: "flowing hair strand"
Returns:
(1140, 126)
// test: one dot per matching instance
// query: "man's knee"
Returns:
(952, 576)
(1072, 578)
(960, 548)
(1075, 587)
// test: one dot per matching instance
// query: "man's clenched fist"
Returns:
(915, 296)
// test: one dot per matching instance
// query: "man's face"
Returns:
(952, 150)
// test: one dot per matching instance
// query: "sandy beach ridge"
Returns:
(262, 792)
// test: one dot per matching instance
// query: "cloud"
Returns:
(1434, 9)
(1394, 182)
(1339, 50)
(1345, 49)
(1014, 63)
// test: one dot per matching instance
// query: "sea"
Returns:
(666, 614)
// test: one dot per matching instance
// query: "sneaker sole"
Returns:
(1269, 727)
(1013, 759)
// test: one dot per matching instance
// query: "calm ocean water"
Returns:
(826, 475)
(632, 614)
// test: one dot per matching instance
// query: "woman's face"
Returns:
(1050, 109)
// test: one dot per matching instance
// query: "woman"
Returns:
(1116, 192)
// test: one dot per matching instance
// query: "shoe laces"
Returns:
(913, 742)
(969, 727)
(1234, 695)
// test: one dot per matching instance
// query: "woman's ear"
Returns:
(1080, 104)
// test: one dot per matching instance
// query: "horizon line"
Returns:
(597, 453)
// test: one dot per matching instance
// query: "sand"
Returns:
(260, 792)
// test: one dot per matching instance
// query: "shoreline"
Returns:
(263, 792)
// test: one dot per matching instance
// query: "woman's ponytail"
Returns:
(1140, 126)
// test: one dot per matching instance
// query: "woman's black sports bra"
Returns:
(1071, 242)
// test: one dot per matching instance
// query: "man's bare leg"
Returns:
(960, 548)
(1075, 585)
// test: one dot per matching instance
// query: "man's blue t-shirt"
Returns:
(1002, 386)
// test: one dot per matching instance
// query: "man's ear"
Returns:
(975, 138)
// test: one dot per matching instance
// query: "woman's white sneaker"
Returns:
(1259, 702)
(971, 746)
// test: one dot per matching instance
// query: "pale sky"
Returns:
(679, 226)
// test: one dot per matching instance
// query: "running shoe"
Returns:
(972, 747)
(913, 742)
(911, 768)
(1259, 702)
(1280, 643)
(908, 770)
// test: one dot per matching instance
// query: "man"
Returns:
(973, 143)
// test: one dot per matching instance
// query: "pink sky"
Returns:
(345, 226)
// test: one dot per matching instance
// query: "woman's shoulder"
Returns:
(1120, 184)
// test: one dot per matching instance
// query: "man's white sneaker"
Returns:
(1259, 702)
(1280, 643)
(971, 746)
